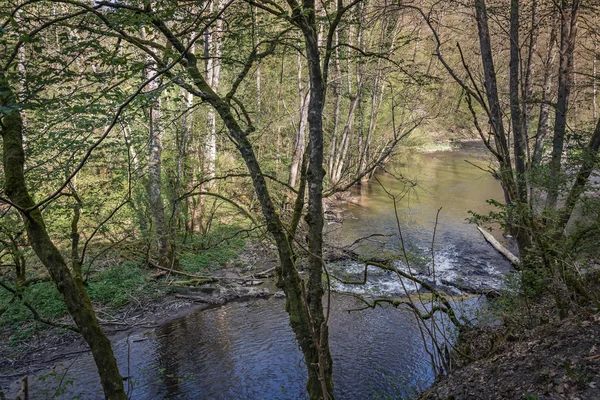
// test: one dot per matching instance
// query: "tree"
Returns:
(539, 226)
(69, 284)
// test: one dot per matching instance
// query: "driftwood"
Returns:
(265, 274)
(501, 249)
(174, 271)
(199, 299)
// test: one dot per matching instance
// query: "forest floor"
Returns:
(534, 356)
(247, 275)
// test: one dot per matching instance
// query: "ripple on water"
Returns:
(248, 351)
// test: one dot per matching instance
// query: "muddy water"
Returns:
(247, 350)
(444, 181)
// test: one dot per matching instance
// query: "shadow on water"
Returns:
(247, 350)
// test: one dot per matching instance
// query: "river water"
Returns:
(246, 350)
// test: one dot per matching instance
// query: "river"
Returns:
(246, 350)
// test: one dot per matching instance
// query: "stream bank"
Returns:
(546, 359)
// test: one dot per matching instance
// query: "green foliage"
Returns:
(117, 285)
(43, 297)
(56, 384)
(114, 287)
(213, 250)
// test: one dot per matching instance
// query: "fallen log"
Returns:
(198, 299)
(208, 278)
(499, 248)
(265, 274)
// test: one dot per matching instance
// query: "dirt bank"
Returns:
(555, 360)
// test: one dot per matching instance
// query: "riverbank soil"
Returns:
(557, 359)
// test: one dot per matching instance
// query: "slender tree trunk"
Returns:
(346, 138)
(319, 362)
(70, 287)
(544, 115)
(527, 84)
(337, 92)
(213, 51)
(300, 143)
(182, 143)
(594, 80)
(568, 34)
(166, 256)
(519, 140)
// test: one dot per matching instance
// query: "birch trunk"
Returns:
(213, 49)
(166, 256)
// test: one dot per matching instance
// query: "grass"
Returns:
(116, 286)
(17, 320)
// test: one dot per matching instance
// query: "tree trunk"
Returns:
(544, 115)
(337, 91)
(213, 49)
(509, 185)
(568, 34)
(594, 80)
(166, 256)
(70, 287)
(318, 359)
(300, 143)
(527, 83)
(519, 140)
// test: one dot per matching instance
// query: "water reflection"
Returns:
(248, 351)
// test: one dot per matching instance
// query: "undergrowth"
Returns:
(116, 286)
(206, 253)
(112, 288)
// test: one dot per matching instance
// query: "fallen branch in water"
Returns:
(499, 248)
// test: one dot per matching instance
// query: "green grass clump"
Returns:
(117, 285)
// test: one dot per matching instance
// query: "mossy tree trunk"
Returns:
(70, 287)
